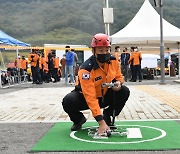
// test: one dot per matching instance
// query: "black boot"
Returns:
(78, 126)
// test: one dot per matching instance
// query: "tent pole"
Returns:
(2, 60)
(162, 46)
(179, 61)
(0, 74)
(18, 69)
(17, 53)
(107, 31)
(169, 61)
(0, 79)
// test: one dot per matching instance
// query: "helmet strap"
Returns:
(94, 50)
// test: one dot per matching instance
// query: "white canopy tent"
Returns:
(144, 29)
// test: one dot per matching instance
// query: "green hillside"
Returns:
(70, 21)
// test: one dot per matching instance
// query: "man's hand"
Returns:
(103, 127)
(118, 86)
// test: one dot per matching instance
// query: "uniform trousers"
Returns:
(75, 102)
(69, 71)
(137, 72)
(36, 74)
(124, 69)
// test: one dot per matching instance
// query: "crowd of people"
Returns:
(47, 69)
(44, 70)
(20, 66)
(129, 61)
(52, 69)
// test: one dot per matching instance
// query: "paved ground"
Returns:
(27, 111)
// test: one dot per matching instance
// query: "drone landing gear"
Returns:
(113, 132)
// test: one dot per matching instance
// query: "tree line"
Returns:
(70, 21)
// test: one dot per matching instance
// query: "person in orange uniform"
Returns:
(46, 71)
(18, 65)
(136, 65)
(101, 67)
(34, 59)
(116, 53)
(18, 62)
(131, 59)
(24, 63)
(55, 70)
(41, 65)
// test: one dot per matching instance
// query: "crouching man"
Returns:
(100, 68)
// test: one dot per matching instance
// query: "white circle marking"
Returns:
(163, 134)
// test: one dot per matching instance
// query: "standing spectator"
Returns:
(131, 61)
(63, 63)
(75, 57)
(18, 66)
(18, 62)
(75, 67)
(24, 63)
(69, 65)
(116, 53)
(124, 63)
(41, 65)
(137, 65)
(50, 66)
(46, 71)
(56, 66)
(34, 59)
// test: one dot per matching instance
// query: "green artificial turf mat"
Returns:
(156, 135)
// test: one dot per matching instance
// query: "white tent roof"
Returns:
(144, 28)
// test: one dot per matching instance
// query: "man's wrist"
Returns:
(101, 122)
(99, 118)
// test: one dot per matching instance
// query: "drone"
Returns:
(92, 132)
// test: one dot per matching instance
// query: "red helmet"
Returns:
(100, 40)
